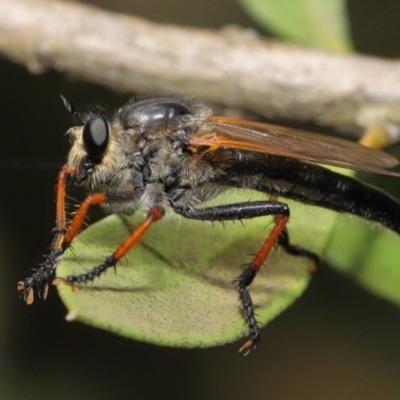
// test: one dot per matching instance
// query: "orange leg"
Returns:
(64, 235)
(246, 278)
(154, 214)
(76, 223)
(62, 238)
(42, 275)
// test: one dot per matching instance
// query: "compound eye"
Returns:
(96, 133)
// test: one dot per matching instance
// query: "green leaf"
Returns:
(367, 251)
(318, 23)
(175, 286)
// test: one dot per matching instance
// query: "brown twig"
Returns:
(232, 66)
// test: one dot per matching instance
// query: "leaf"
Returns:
(317, 23)
(175, 286)
(366, 251)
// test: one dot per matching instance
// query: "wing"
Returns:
(225, 132)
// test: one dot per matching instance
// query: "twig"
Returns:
(232, 66)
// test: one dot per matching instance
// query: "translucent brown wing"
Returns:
(225, 132)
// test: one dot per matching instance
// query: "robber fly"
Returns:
(172, 152)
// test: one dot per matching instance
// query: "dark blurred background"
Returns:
(337, 342)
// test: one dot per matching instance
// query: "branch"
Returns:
(232, 66)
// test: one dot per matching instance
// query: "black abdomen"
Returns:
(313, 184)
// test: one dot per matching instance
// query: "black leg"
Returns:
(240, 211)
(234, 212)
(278, 235)
(294, 250)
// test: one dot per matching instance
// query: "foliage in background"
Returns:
(318, 23)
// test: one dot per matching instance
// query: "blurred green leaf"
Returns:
(367, 251)
(318, 23)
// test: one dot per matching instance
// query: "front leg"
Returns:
(40, 279)
(64, 236)
(154, 214)
(240, 211)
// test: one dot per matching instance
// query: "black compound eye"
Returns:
(96, 133)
